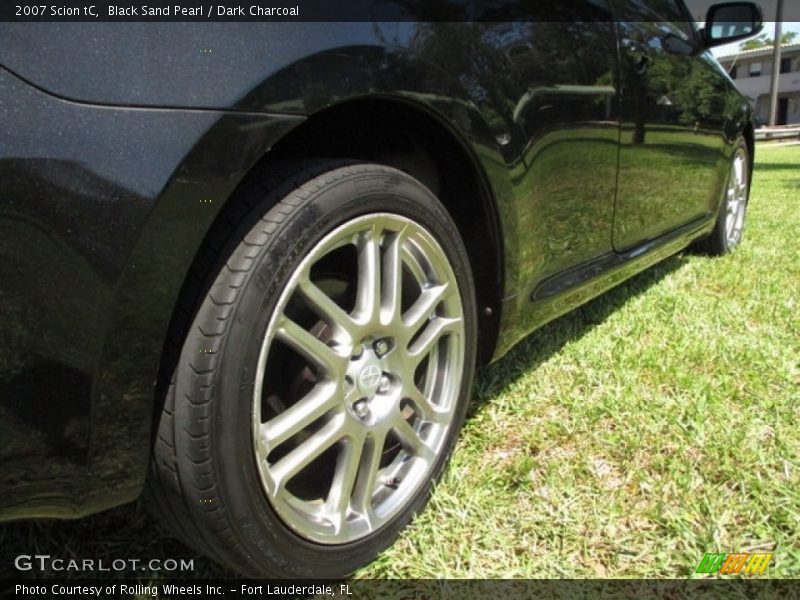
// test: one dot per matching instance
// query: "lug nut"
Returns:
(381, 347)
(383, 387)
(391, 482)
(361, 409)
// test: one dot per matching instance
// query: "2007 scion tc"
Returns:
(250, 268)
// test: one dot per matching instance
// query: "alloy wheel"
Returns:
(736, 199)
(358, 379)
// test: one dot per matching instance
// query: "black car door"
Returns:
(671, 108)
(560, 63)
(543, 75)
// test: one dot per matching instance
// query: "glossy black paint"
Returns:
(120, 144)
(672, 153)
(102, 212)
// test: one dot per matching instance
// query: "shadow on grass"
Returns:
(548, 340)
(128, 532)
(791, 167)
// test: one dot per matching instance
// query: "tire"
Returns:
(729, 226)
(340, 314)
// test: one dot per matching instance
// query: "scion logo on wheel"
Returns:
(369, 378)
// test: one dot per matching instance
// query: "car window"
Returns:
(669, 11)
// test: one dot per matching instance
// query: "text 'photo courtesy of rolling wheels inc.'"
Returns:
(399, 299)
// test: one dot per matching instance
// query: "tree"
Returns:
(764, 41)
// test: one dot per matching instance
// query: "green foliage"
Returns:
(763, 41)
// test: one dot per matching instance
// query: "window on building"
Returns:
(786, 65)
(732, 72)
(755, 69)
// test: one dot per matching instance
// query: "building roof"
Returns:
(756, 52)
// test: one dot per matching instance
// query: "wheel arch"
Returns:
(396, 132)
(422, 142)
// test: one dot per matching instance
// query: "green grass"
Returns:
(654, 424)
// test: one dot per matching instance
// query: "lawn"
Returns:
(626, 439)
(654, 424)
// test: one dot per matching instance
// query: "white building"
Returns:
(751, 70)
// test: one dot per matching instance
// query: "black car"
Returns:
(250, 269)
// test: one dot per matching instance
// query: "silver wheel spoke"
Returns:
(410, 440)
(344, 478)
(731, 221)
(430, 412)
(299, 458)
(309, 347)
(392, 280)
(319, 401)
(369, 275)
(327, 309)
(428, 300)
(741, 189)
(367, 482)
(430, 336)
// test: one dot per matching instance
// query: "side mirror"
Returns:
(731, 21)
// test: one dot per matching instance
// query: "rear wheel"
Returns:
(324, 378)
(728, 230)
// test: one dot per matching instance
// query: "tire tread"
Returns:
(181, 478)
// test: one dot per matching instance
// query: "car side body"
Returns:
(565, 166)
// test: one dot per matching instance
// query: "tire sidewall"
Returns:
(321, 205)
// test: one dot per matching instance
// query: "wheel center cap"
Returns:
(369, 378)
